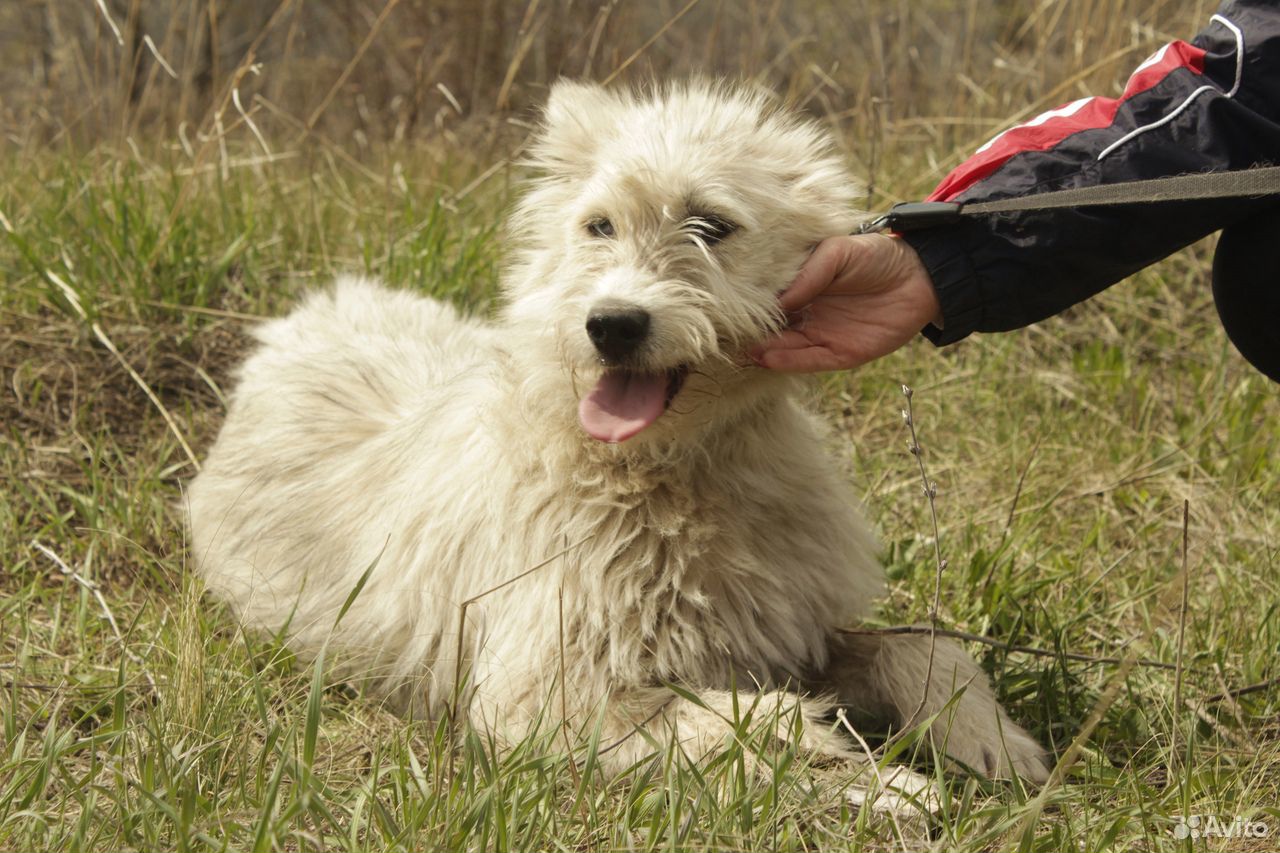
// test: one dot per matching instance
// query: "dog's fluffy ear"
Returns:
(826, 193)
(575, 119)
(823, 192)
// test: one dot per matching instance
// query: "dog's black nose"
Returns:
(617, 332)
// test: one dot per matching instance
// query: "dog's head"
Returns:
(656, 240)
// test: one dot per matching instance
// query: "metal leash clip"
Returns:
(914, 216)
(874, 226)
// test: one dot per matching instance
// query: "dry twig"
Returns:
(96, 592)
(931, 493)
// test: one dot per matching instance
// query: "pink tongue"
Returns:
(622, 404)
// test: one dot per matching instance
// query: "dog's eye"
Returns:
(709, 228)
(600, 227)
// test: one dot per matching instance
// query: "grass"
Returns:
(1063, 454)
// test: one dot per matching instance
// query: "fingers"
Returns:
(859, 298)
(810, 359)
(792, 352)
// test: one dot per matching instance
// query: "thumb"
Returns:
(828, 260)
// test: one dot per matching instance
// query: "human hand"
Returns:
(855, 299)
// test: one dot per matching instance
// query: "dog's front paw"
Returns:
(895, 790)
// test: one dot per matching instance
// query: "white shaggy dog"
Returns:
(609, 416)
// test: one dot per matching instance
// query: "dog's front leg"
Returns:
(699, 728)
(644, 723)
(905, 679)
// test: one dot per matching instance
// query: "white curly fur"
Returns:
(717, 549)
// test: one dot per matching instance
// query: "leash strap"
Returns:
(1242, 183)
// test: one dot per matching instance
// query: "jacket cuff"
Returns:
(955, 281)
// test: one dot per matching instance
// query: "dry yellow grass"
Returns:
(306, 138)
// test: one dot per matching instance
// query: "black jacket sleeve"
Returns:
(1209, 105)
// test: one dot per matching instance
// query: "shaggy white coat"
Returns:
(717, 548)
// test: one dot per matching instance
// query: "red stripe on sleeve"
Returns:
(1048, 129)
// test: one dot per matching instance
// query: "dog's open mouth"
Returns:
(624, 402)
